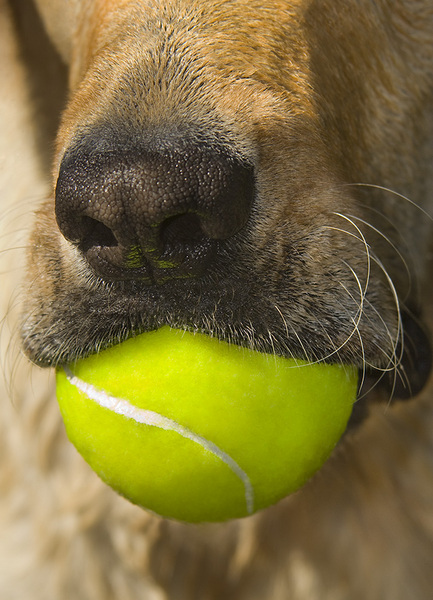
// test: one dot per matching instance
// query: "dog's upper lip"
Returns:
(237, 311)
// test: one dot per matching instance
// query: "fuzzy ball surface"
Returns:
(196, 429)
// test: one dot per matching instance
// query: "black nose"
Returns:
(152, 215)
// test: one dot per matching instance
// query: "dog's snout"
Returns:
(152, 215)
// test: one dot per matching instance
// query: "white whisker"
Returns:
(294, 333)
(393, 192)
(393, 246)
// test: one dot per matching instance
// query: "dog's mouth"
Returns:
(234, 304)
(230, 307)
(240, 314)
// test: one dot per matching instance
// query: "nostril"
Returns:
(95, 234)
(181, 230)
(184, 244)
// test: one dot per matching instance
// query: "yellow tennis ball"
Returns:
(197, 429)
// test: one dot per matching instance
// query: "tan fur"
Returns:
(362, 528)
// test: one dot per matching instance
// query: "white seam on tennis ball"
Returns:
(148, 417)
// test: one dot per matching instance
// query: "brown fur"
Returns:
(330, 102)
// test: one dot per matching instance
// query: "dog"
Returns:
(259, 171)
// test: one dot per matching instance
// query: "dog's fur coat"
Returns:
(329, 101)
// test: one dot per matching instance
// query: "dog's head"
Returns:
(248, 169)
